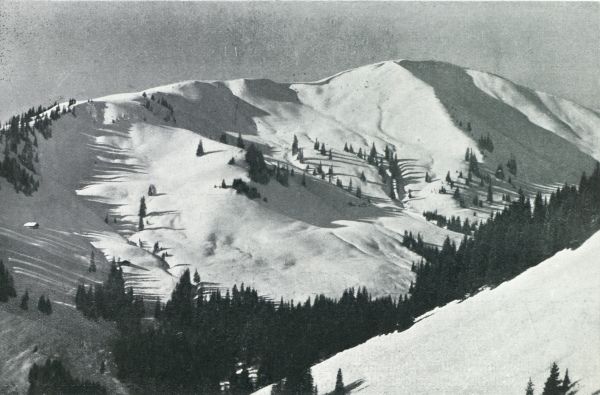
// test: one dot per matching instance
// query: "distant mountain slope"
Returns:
(492, 342)
(427, 113)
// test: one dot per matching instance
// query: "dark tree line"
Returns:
(52, 378)
(202, 338)
(521, 236)
(453, 223)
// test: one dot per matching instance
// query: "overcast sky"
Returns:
(50, 51)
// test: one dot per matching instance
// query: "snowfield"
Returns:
(492, 342)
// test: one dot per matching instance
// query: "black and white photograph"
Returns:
(299, 198)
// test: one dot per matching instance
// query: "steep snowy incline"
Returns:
(492, 342)
(577, 124)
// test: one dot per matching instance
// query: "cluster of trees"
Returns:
(52, 378)
(19, 142)
(554, 385)
(511, 241)
(202, 338)
(7, 285)
(486, 143)
(7, 291)
(242, 187)
(161, 101)
(473, 163)
(453, 223)
(110, 300)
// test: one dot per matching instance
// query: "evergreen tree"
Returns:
(258, 171)
(303, 179)
(566, 383)
(427, 177)
(529, 389)
(7, 288)
(141, 224)
(231, 161)
(358, 192)
(295, 146)
(223, 138)
(142, 211)
(92, 268)
(316, 145)
(200, 149)
(240, 141)
(372, 155)
(330, 154)
(456, 194)
(339, 384)
(323, 150)
(196, 277)
(25, 301)
(346, 147)
(553, 383)
(44, 305)
(490, 194)
(223, 184)
(362, 176)
(102, 367)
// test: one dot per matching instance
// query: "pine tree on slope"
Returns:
(553, 384)
(339, 384)
(529, 388)
(25, 301)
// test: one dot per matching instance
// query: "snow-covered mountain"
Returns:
(295, 241)
(491, 343)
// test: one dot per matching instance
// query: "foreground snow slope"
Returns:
(492, 342)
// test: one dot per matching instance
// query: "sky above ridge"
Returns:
(51, 51)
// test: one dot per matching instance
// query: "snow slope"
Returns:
(299, 240)
(568, 120)
(492, 342)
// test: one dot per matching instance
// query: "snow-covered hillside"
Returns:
(492, 342)
(298, 241)
(295, 241)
